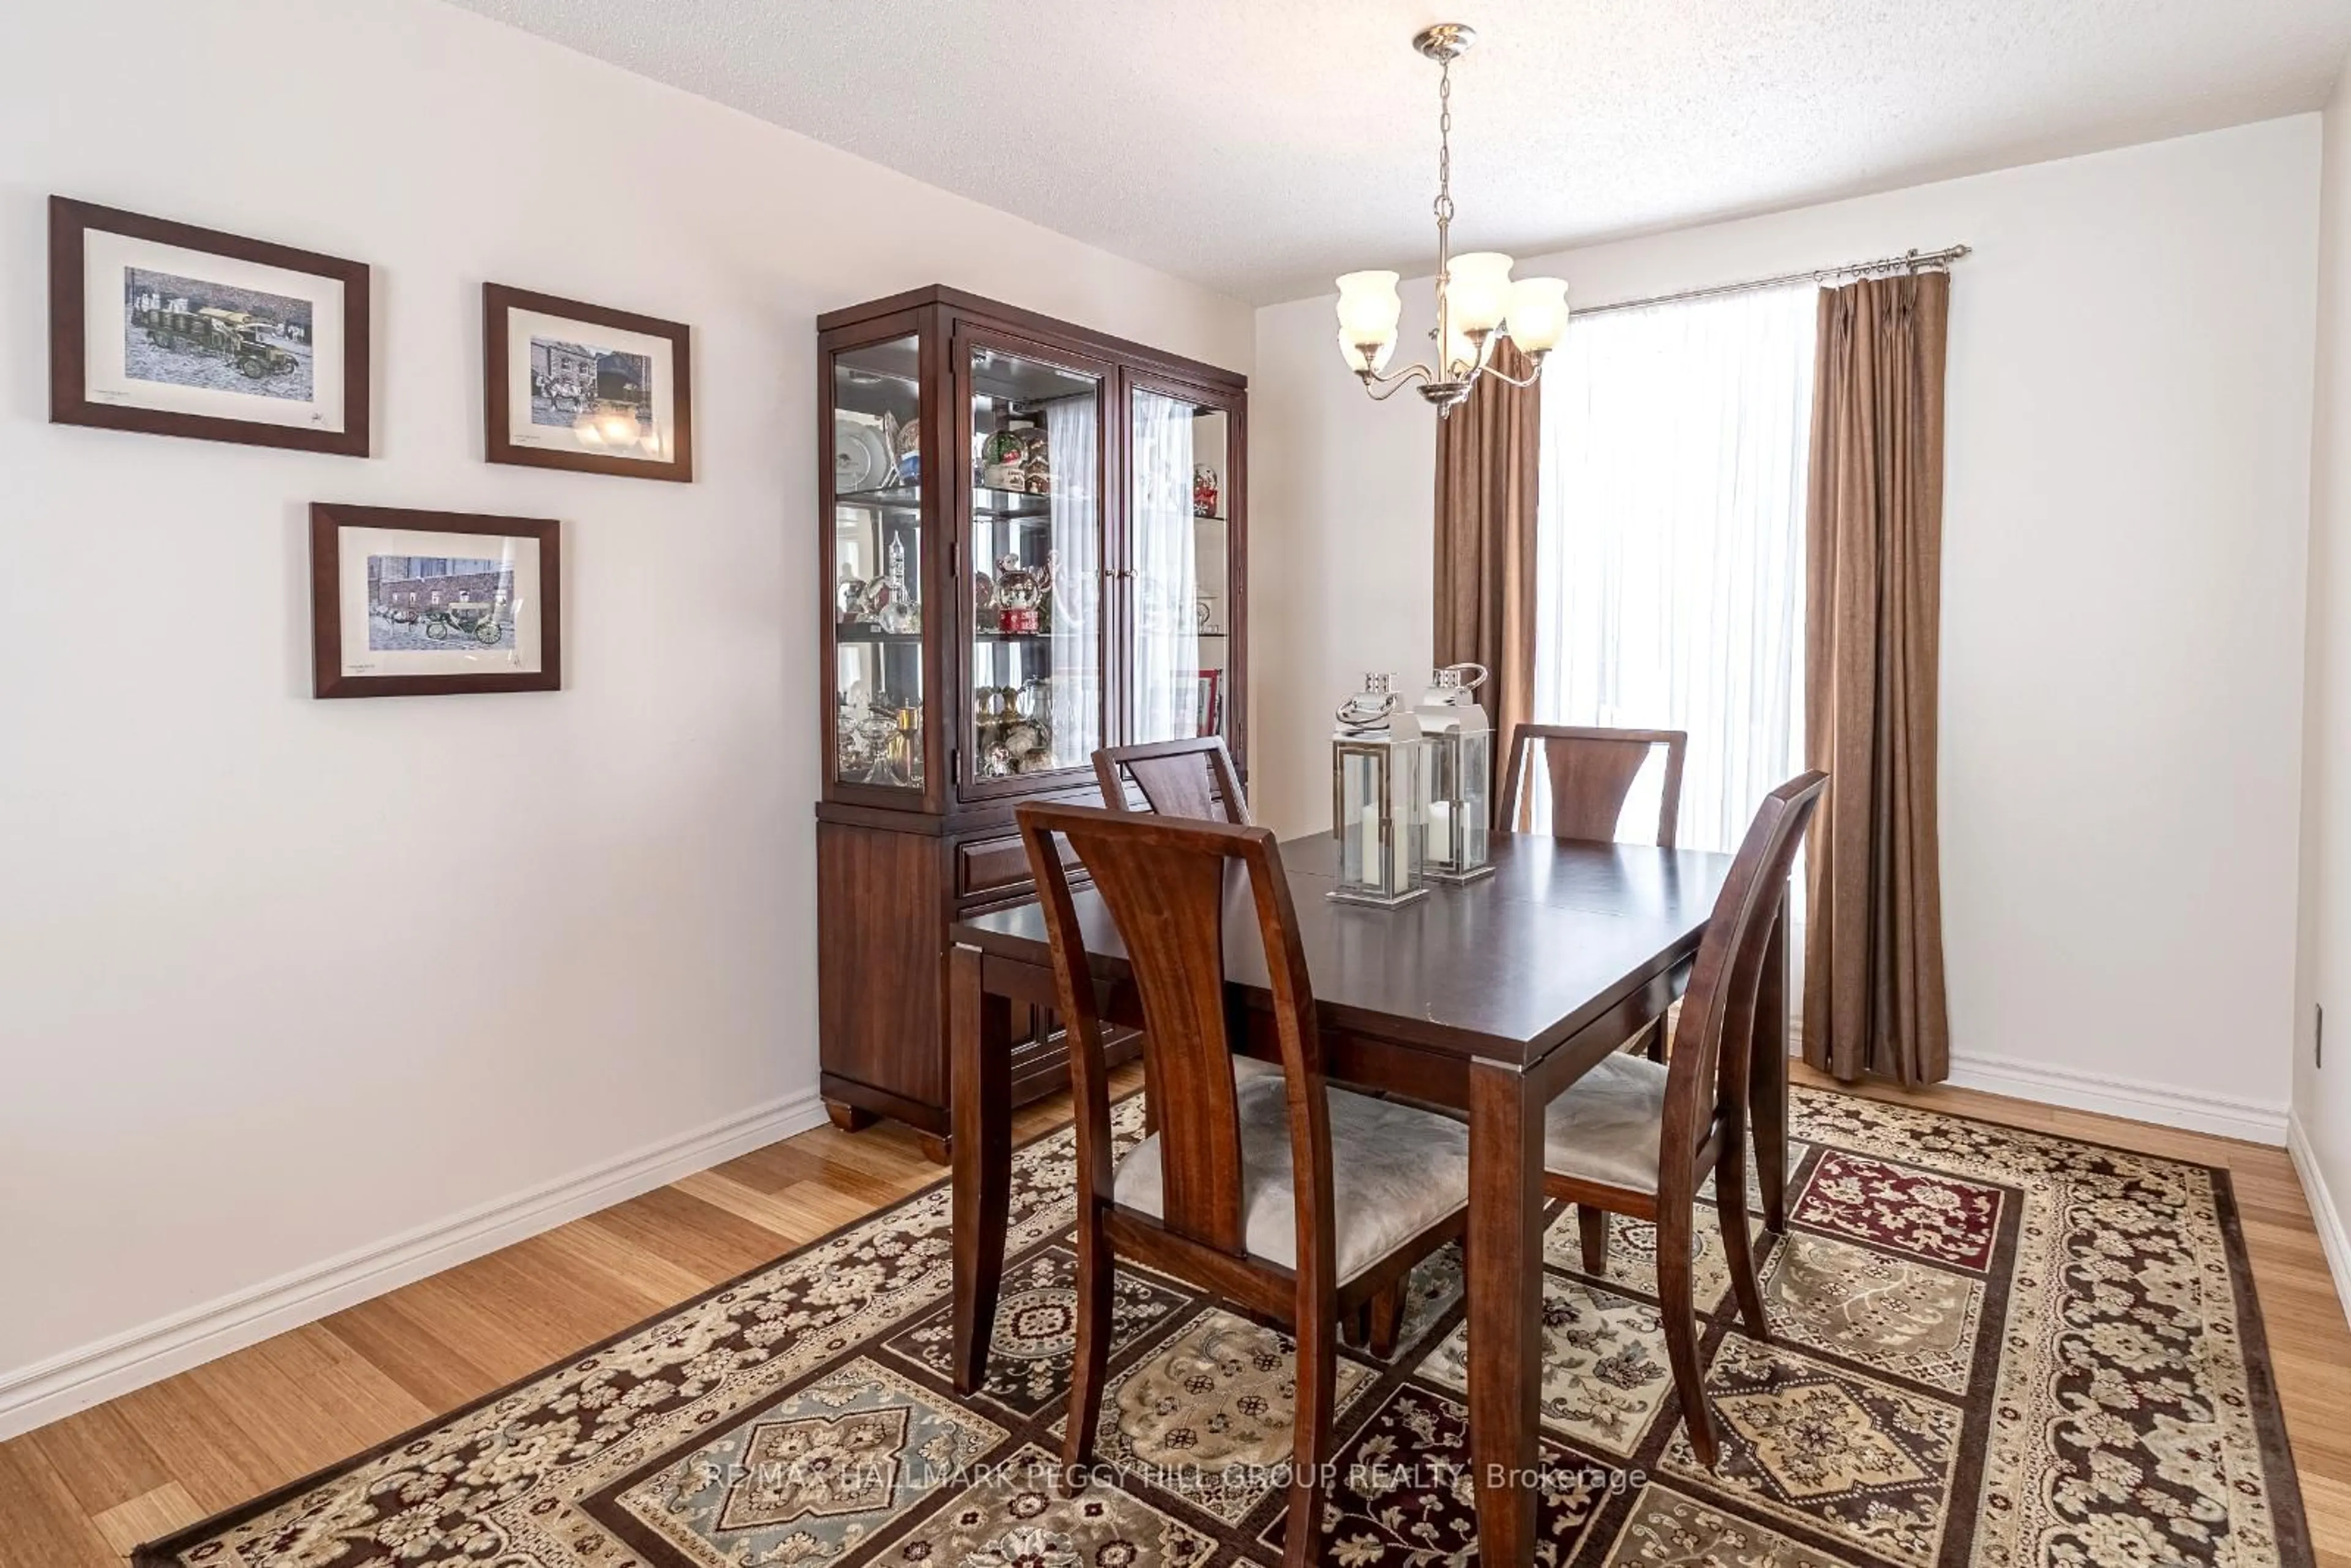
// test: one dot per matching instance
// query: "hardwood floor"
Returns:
(80, 1492)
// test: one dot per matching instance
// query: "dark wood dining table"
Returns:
(1489, 997)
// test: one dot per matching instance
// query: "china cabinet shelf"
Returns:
(898, 498)
(990, 503)
(1013, 504)
(933, 736)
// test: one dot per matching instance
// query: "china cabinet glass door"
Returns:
(880, 712)
(1036, 566)
(1178, 537)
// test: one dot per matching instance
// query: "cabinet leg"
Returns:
(850, 1118)
(938, 1150)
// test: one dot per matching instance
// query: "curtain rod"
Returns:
(1910, 261)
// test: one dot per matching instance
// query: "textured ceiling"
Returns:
(1260, 146)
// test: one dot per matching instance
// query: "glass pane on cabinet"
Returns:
(1178, 549)
(1036, 532)
(877, 565)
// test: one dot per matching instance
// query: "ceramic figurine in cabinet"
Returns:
(861, 599)
(1204, 491)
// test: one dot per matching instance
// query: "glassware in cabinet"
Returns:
(1036, 565)
(880, 708)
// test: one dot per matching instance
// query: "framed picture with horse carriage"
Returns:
(568, 385)
(171, 329)
(413, 604)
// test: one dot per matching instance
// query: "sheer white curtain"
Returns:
(1072, 439)
(1164, 701)
(1670, 548)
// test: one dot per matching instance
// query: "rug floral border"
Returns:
(918, 1296)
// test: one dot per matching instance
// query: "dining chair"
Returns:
(1637, 1137)
(1196, 778)
(1591, 773)
(1190, 777)
(1299, 1201)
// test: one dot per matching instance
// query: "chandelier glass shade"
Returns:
(1478, 301)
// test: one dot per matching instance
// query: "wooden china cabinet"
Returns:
(1035, 547)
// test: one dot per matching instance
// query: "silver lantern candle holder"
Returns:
(1379, 799)
(1460, 739)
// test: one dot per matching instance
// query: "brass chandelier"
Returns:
(1478, 304)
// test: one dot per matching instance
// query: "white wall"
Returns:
(2126, 501)
(2321, 1138)
(282, 979)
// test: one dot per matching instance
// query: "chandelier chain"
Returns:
(1445, 141)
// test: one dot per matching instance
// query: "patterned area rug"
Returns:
(1991, 1347)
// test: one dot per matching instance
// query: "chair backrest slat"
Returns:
(1193, 778)
(1591, 773)
(1712, 1043)
(1165, 881)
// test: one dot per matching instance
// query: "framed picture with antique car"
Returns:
(173, 330)
(568, 385)
(415, 603)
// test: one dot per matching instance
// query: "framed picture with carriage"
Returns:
(418, 603)
(570, 385)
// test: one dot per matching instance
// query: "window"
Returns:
(1669, 548)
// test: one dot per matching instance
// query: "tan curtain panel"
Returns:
(1874, 930)
(1487, 475)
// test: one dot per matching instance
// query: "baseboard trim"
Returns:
(50, 1390)
(2254, 1121)
(2323, 1212)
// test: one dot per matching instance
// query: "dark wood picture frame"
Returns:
(70, 222)
(327, 520)
(498, 446)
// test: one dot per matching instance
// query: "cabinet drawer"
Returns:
(997, 866)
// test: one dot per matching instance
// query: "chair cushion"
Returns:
(1394, 1171)
(1606, 1126)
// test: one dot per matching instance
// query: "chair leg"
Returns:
(1654, 1047)
(1737, 1252)
(1092, 1359)
(1355, 1327)
(1318, 1375)
(1387, 1317)
(1680, 1315)
(1592, 1226)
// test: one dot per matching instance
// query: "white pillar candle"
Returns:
(1367, 834)
(1440, 831)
